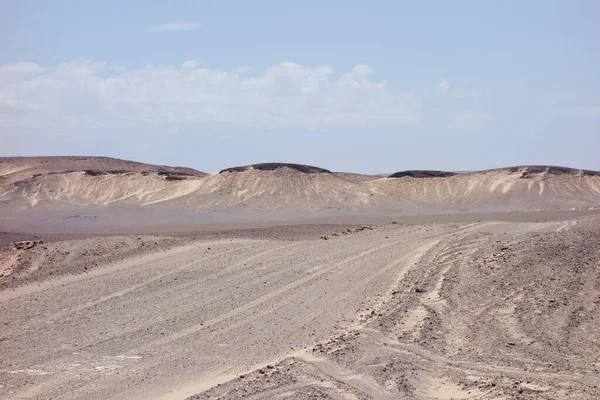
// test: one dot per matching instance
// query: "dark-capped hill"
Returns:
(93, 166)
(306, 169)
(422, 174)
(529, 171)
(58, 182)
(525, 172)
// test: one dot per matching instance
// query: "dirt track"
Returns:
(417, 311)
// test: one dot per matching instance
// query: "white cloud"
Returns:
(84, 95)
(175, 27)
(464, 120)
(22, 68)
(585, 111)
(190, 64)
(458, 93)
(444, 85)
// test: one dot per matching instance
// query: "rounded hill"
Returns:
(306, 169)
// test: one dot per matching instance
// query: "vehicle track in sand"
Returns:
(457, 324)
(422, 311)
(143, 327)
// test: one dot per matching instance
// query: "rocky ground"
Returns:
(471, 309)
(484, 315)
(35, 260)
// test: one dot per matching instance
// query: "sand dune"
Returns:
(282, 191)
(82, 189)
(515, 188)
(67, 182)
(70, 182)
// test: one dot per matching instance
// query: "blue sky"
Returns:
(370, 87)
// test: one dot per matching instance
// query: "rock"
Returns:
(26, 244)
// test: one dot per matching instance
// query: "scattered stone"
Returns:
(27, 244)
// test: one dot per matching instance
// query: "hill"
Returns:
(521, 187)
(307, 169)
(86, 181)
(61, 183)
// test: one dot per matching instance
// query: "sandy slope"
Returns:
(480, 310)
(76, 182)
(280, 190)
(68, 183)
(503, 188)
(78, 189)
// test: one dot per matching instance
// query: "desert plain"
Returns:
(124, 280)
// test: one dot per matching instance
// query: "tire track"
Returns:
(262, 299)
(141, 285)
(144, 261)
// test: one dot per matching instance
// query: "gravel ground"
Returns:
(427, 310)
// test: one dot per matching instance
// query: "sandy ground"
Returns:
(471, 309)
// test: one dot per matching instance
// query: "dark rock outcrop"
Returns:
(532, 170)
(307, 169)
(422, 174)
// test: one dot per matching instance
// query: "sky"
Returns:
(371, 87)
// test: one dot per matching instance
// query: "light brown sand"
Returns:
(423, 311)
